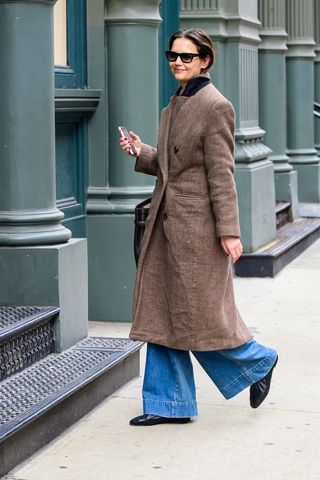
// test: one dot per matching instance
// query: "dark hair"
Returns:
(201, 40)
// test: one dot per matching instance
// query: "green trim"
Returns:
(71, 197)
(76, 100)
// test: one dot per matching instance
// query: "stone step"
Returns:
(291, 240)
(283, 213)
(27, 334)
(38, 403)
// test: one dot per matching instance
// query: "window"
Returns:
(70, 44)
(60, 33)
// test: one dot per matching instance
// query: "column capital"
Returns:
(272, 14)
(300, 27)
(133, 12)
(317, 30)
(223, 25)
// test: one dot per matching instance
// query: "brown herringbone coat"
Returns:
(184, 295)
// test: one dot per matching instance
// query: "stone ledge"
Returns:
(291, 240)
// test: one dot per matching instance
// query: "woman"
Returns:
(184, 299)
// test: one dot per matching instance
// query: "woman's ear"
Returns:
(206, 62)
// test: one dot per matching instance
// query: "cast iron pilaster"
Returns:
(300, 98)
(234, 28)
(272, 96)
(28, 213)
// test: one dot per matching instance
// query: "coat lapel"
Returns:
(172, 116)
(164, 127)
(183, 98)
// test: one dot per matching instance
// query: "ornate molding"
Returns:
(221, 25)
(300, 49)
(249, 111)
(76, 100)
(199, 6)
(300, 27)
(317, 30)
(273, 40)
(32, 228)
(272, 14)
(249, 152)
(133, 12)
(300, 19)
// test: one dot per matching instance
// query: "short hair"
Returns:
(201, 40)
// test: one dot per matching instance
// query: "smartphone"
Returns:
(124, 133)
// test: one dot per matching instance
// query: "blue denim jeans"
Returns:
(169, 388)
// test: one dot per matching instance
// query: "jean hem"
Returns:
(170, 409)
(247, 378)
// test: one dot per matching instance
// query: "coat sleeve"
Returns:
(219, 161)
(147, 162)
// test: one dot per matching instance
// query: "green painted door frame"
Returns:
(71, 125)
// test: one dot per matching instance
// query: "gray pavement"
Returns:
(229, 440)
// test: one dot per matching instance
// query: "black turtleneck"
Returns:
(193, 86)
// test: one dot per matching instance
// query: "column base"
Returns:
(32, 228)
(255, 185)
(308, 182)
(281, 163)
(49, 275)
(111, 267)
(286, 184)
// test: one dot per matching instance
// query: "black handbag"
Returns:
(140, 216)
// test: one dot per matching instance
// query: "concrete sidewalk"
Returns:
(229, 440)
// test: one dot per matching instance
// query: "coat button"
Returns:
(165, 216)
(176, 149)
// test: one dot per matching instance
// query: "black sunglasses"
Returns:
(185, 57)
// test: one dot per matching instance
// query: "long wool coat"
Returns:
(184, 296)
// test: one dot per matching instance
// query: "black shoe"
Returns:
(260, 389)
(150, 419)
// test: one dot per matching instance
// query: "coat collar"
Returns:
(194, 85)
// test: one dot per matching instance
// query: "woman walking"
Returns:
(184, 299)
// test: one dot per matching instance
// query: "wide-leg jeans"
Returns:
(169, 387)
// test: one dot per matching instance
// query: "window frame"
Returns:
(74, 74)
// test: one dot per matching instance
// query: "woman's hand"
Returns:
(232, 246)
(125, 144)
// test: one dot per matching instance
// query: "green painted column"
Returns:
(317, 72)
(28, 213)
(234, 27)
(272, 97)
(169, 12)
(38, 265)
(300, 98)
(131, 99)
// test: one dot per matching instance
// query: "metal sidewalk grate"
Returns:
(27, 334)
(15, 319)
(10, 315)
(102, 343)
(35, 390)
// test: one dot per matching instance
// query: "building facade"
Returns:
(68, 193)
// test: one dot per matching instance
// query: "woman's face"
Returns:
(183, 72)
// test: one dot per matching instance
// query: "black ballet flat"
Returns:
(150, 419)
(260, 389)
